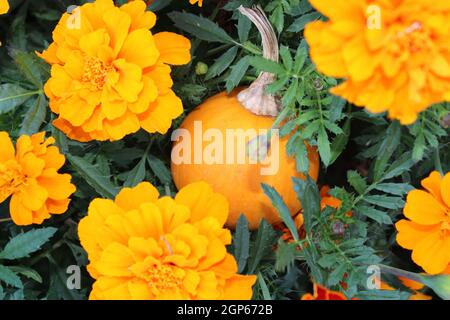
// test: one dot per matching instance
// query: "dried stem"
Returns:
(255, 98)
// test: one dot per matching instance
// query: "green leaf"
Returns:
(385, 201)
(285, 255)
(241, 243)
(238, 71)
(419, 147)
(137, 174)
(244, 26)
(222, 63)
(22, 245)
(30, 65)
(387, 148)
(35, 116)
(398, 189)
(282, 209)
(309, 196)
(277, 18)
(289, 96)
(324, 147)
(201, 27)
(286, 57)
(300, 59)
(328, 260)
(9, 277)
(337, 275)
(401, 165)
(375, 214)
(159, 169)
(300, 23)
(356, 181)
(262, 245)
(263, 64)
(93, 176)
(264, 289)
(27, 272)
(340, 142)
(12, 96)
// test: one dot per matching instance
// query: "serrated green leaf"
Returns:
(337, 275)
(222, 63)
(281, 208)
(323, 144)
(200, 27)
(93, 176)
(238, 71)
(12, 96)
(159, 169)
(9, 277)
(263, 64)
(262, 245)
(22, 245)
(356, 181)
(385, 201)
(309, 196)
(137, 174)
(398, 189)
(241, 243)
(35, 116)
(300, 23)
(264, 289)
(375, 214)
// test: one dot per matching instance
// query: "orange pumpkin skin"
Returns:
(241, 183)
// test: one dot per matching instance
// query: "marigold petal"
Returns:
(432, 253)
(6, 147)
(421, 207)
(132, 198)
(173, 48)
(203, 202)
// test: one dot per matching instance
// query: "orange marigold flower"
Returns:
(200, 2)
(29, 175)
(427, 232)
(322, 293)
(110, 75)
(144, 247)
(392, 54)
(4, 6)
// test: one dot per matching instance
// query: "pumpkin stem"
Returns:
(255, 98)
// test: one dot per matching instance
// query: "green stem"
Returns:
(5, 220)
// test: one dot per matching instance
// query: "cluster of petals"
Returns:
(426, 231)
(146, 247)
(29, 178)
(110, 75)
(393, 55)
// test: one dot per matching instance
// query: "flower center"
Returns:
(412, 39)
(163, 277)
(95, 72)
(11, 177)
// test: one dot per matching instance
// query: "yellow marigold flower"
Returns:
(110, 75)
(144, 247)
(200, 2)
(29, 175)
(392, 54)
(4, 6)
(427, 232)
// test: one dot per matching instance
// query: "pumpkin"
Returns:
(251, 112)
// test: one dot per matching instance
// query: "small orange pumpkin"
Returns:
(248, 110)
